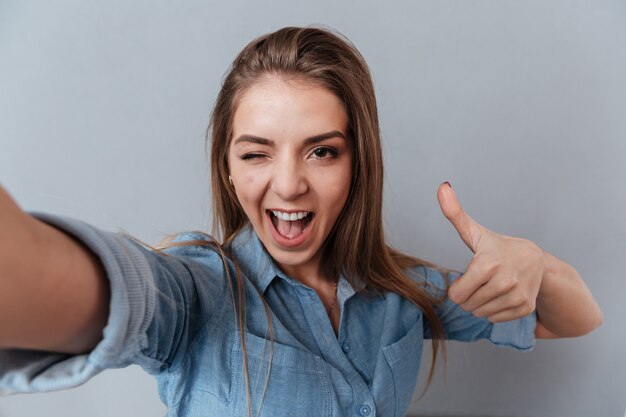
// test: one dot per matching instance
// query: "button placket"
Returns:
(331, 347)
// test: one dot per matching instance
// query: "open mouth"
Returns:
(290, 225)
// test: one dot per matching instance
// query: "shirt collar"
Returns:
(250, 255)
(254, 260)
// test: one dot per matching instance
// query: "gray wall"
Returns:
(521, 105)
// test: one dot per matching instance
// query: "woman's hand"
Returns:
(510, 277)
(503, 278)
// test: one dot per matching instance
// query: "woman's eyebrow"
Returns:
(308, 141)
(323, 136)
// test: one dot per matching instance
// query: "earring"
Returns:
(230, 180)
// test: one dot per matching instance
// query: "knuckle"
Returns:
(494, 319)
(491, 266)
(528, 308)
(454, 294)
(505, 284)
(513, 281)
(519, 300)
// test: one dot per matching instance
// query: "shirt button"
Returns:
(365, 410)
(346, 347)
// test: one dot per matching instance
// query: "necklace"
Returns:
(332, 305)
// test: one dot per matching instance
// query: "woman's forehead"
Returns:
(277, 108)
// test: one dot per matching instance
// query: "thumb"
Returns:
(469, 230)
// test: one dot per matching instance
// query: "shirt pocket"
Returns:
(403, 358)
(297, 384)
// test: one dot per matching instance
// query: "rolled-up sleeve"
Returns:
(462, 325)
(155, 301)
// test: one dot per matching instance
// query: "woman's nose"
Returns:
(289, 181)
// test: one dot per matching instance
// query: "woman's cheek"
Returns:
(256, 181)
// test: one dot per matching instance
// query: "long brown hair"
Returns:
(356, 245)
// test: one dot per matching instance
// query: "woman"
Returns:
(303, 309)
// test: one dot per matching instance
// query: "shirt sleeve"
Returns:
(157, 301)
(462, 325)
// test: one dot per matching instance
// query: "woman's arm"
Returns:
(56, 298)
(510, 277)
(565, 306)
(53, 292)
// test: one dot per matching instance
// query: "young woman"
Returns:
(302, 310)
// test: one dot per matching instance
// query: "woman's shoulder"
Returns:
(190, 244)
(197, 252)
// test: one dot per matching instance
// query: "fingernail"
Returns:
(447, 182)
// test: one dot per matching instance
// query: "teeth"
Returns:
(290, 216)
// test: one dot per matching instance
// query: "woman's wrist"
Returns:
(547, 279)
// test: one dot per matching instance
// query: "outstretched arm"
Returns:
(53, 292)
(510, 277)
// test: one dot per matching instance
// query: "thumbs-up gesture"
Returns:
(503, 278)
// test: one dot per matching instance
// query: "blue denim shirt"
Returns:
(173, 315)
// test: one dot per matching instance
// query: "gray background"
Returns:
(521, 105)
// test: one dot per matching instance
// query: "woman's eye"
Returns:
(325, 152)
(250, 156)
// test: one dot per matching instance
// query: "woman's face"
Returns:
(291, 165)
